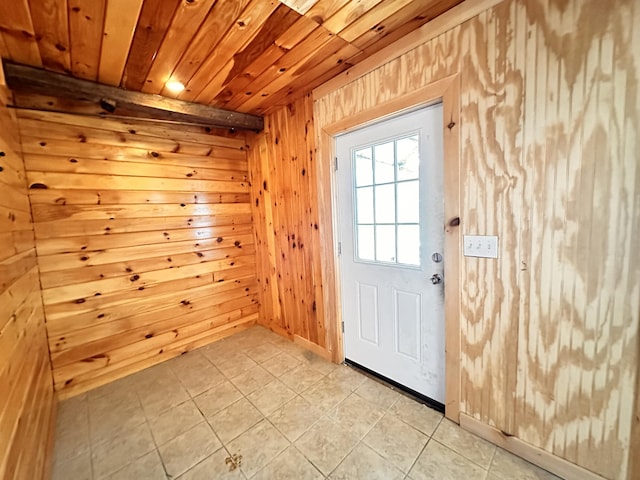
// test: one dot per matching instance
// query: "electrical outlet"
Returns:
(485, 246)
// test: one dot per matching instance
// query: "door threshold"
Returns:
(419, 397)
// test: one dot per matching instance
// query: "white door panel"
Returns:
(391, 222)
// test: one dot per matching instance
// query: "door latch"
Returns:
(435, 279)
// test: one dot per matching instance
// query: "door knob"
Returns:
(435, 279)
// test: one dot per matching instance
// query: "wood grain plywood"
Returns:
(27, 401)
(550, 329)
(144, 238)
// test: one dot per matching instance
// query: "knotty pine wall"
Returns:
(550, 111)
(283, 200)
(144, 240)
(27, 405)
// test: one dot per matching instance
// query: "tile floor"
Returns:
(257, 406)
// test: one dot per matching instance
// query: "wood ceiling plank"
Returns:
(86, 20)
(300, 6)
(331, 59)
(373, 19)
(406, 20)
(212, 30)
(155, 18)
(51, 24)
(241, 33)
(263, 44)
(119, 26)
(24, 78)
(316, 40)
(348, 14)
(186, 22)
(18, 32)
(325, 58)
(294, 35)
(4, 53)
(325, 9)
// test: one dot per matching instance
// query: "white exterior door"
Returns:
(391, 241)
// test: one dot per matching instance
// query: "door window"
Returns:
(387, 200)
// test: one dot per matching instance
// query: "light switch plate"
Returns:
(485, 246)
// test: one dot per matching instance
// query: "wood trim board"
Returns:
(447, 91)
(535, 455)
(441, 24)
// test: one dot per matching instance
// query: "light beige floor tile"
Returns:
(318, 363)
(506, 466)
(184, 363)
(295, 417)
(364, 463)
(438, 462)
(348, 376)
(117, 452)
(159, 398)
(253, 379)
(120, 386)
(416, 414)
(263, 352)
(257, 446)
(234, 420)
(148, 467)
(233, 365)
(188, 449)
(396, 441)
(280, 364)
(214, 467)
(290, 465)
(77, 467)
(196, 373)
(217, 398)
(218, 351)
(465, 443)
(113, 414)
(378, 394)
(175, 421)
(271, 397)
(70, 442)
(326, 394)
(326, 444)
(73, 411)
(356, 414)
(301, 378)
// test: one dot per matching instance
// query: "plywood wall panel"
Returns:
(549, 164)
(26, 398)
(144, 239)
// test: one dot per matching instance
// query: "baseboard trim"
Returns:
(317, 349)
(535, 455)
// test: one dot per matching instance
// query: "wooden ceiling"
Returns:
(245, 55)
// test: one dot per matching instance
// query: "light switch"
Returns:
(485, 246)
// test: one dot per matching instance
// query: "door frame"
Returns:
(446, 91)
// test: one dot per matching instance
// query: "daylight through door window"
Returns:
(387, 199)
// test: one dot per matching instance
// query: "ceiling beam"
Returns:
(37, 81)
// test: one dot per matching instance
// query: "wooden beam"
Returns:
(32, 80)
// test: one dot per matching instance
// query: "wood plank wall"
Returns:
(283, 199)
(144, 241)
(27, 403)
(550, 114)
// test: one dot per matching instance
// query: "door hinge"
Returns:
(342, 327)
(339, 248)
(335, 164)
